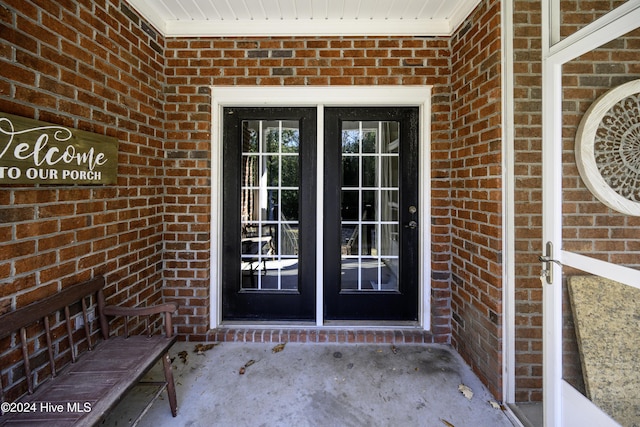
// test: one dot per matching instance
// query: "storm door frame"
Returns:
(321, 97)
(563, 404)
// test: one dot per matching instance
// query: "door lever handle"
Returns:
(412, 225)
(546, 260)
(542, 258)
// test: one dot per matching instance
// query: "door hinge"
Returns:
(546, 259)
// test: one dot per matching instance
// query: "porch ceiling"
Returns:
(230, 18)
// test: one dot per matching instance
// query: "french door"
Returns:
(269, 213)
(370, 227)
(371, 207)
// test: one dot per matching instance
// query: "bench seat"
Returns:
(99, 377)
(84, 391)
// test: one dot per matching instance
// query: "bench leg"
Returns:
(171, 388)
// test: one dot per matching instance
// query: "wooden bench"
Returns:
(83, 391)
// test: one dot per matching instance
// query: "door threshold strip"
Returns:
(322, 335)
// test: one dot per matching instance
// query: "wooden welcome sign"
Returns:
(34, 152)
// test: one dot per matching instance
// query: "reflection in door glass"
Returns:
(577, 14)
(369, 206)
(599, 352)
(270, 205)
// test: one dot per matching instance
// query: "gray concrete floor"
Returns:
(315, 385)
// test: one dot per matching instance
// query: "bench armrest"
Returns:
(167, 309)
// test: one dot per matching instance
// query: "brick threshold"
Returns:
(320, 335)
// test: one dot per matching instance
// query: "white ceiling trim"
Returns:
(308, 28)
(201, 18)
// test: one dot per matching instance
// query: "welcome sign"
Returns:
(34, 152)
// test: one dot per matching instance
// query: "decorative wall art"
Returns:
(608, 148)
(35, 152)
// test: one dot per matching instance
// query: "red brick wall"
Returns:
(98, 67)
(528, 198)
(590, 228)
(195, 64)
(577, 14)
(476, 193)
(88, 65)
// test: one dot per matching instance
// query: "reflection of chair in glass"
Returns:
(258, 245)
(266, 247)
(351, 245)
(289, 243)
(349, 236)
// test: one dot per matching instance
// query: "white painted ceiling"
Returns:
(176, 18)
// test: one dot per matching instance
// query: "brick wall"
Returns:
(589, 227)
(97, 66)
(476, 193)
(196, 63)
(528, 198)
(577, 14)
(91, 65)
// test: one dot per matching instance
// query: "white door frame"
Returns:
(321, 97)
(508, 206)
(564, 405)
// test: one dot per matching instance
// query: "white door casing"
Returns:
(319, 97)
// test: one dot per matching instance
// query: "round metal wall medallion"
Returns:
(608, 148)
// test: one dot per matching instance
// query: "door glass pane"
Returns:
(289, 202)
(370, 137)
(389, 205)
(369, 206)
(601, 341)
(350, 171)
(350, 137)
(370, 171)
(595, 364)
(272, 137)
(270, 205)
(389, 171)
(577, 14)
(290, 173)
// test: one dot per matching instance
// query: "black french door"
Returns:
(370, 213)
(370, 236)
(269, 195)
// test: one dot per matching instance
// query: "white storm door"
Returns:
(579, 237)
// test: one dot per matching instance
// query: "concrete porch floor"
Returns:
(315, 385)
